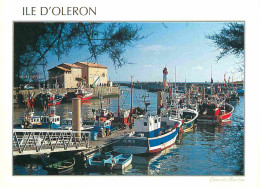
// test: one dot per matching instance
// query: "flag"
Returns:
(219, 89)
(225, 82)
(211, 80)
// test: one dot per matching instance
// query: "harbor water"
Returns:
(208, 150)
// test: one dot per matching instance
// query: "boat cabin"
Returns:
(51, 119)
(35, 120)
(149, 126)
(30, 120)
(102, 112)
(102, 124)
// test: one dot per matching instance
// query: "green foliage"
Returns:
(230, 40)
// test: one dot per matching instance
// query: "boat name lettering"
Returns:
(129, 141)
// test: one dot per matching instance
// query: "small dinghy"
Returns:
(120, 162)
(99, 161)
(60, 167)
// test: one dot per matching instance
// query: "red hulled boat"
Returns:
(214, 114)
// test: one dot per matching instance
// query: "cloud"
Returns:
(198, 68)
(148, 65)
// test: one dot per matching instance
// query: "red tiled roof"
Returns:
(91, 64)
(59, 67)
(69, 65)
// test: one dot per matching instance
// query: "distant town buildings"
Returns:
(80, 73)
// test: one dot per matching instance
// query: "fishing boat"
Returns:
(189, 118)
(120, 161)
(30, 121)
(240, 90)
(47, 99)
(99, 161)
(225, 113)
(55, 99)
(103, 120)
(51, 120)
(149, 136)
(214, 113)
(67, 123)
(233, 97)
(123, 116)
(61, 166)
(83, 95)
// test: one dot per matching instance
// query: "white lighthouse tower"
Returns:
(165, 76)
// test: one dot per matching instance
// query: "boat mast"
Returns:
(131, 111)
(177, 108)
(119, 101)
(211, 85)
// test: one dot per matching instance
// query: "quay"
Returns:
(21, 96)
(158, 86)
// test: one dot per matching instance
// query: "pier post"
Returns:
(203, 92)
(188, 96)
(76, 115)
(159, 99)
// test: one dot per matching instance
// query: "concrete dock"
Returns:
(23, 95)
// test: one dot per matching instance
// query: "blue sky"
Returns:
(180, 44)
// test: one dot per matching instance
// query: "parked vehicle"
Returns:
(28, 87)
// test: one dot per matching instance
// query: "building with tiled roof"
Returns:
(71, 75)
(95, 74)
(65, 75)
(69, 66)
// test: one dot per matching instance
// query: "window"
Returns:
(145, 123)
(58, 119)
(159, 119)
(155, 121)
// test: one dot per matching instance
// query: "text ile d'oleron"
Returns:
(59, 11)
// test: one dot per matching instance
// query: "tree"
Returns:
(230, 40)
(33, 41)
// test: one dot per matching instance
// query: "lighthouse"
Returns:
(165, 75)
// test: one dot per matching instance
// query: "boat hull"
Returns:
(160, 143)
(142, 145)
(85, 98)
(119, 166)
(189, 123)
(56, 102)
(219, 118)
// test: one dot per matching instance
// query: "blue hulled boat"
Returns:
(121, 161)
(149, 137)
(99, 161)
